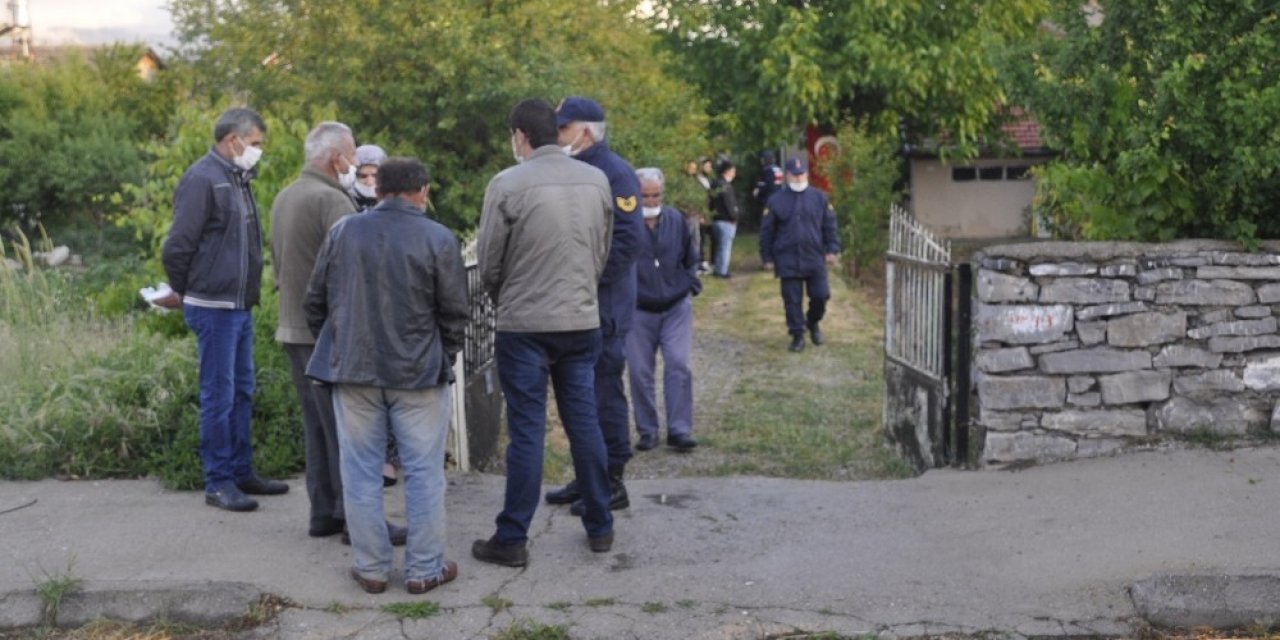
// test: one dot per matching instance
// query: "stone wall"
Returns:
(1085, 349)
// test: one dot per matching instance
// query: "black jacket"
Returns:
(387, 300)
(797, 232)
(724, 202)
(667, 270)
(213, 255)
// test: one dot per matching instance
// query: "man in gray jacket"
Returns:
(388, 304)
(301, 216)
(543, 240)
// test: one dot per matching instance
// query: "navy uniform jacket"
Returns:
(667, 270)
(797, 232)
(617, 291)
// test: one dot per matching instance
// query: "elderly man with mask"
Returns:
(798, 240)
(666, 281)
(301, 215)
(582, 135)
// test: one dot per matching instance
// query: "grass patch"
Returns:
(412, 610)
(532, 630)
(496, 603)
(686, 604)
(54, 588)
(600, 602)
(654, 607)
(560, 606)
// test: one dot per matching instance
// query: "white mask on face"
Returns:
(515, 153)
(365, 190)
(348, 179)
(568, 148)
(798, 186)
(651, 212)
(249, 157)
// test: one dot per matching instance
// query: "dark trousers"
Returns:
(525, 361)
(320, 435)
(611, 400)
(793, 290)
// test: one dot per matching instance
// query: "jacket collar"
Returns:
(398, 205)
(231, 168)
(598, 149)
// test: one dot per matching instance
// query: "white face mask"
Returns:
(249, 157)
(515, 153)
(798, 186)
(365, 190)
(651, 212)
(568, 148)
(348, 179)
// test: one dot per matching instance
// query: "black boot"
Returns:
(565, 495)
(617, 493)
(815, 334)
(797, 343)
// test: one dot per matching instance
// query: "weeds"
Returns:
(54, 589)
(654, 607)
(560, 606)
(413, 610)
(531, 630)
(600, 602)
(496, 603)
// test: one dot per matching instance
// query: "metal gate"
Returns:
(477, 412)
(926, 346)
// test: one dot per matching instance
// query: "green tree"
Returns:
(1168, 116)
(438, 81)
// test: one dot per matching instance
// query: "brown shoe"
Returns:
(418, 587)
(369, 586)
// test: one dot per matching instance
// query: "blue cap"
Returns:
(796, 165)
(578, 109)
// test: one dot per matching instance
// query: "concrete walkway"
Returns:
(1047, 551)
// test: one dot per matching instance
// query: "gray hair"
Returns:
(325, 138)
(238, 120)
(596, 129)
(651, 174)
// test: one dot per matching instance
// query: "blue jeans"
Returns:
(672, 332)
(525, 361)
(420, 420)
(725, 231)
(224, 347)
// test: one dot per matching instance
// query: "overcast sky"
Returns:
(96, 21)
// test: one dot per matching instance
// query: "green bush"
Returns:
(863, 174)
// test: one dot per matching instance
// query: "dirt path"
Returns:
(759, 409)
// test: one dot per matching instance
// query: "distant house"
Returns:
(985, 198)
(149, 62)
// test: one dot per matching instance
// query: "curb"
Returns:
(1185, 601)
(204, 603)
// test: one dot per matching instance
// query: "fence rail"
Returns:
(917, 267)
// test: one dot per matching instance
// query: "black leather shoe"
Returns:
(324, 527)
(647, 442)
(397, 534)
(494, 552)
(230, 498)
(815, 334)
(256, 486)
(681, 442)
(601, 544)
(797, 343)
(566, 495)
(617, 499)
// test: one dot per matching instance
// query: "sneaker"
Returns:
(447, 574)
(494, 552)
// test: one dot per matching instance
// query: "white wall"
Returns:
(974, 209)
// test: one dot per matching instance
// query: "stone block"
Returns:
(1006, 265)
(1235, 328)
(1240, 344)
(1108, 422)
(1008, 420)
(1143, 329)
(1003, 360)
(1097, 360)
(1255, 311)
(1238, 273)
(1020, 392)
(1022, 446)
(994, 286)
(1190, 261)
(1096, 447)
(1209, 382)
(1221, 416)
(1179, 355)
(1239, 258)
(1214, 316)
(1263, 374)
(1144, 294)
(1090, 399)
(1085, 291)
(1135, 386)
(1022, 324)
(1204, 292)
(1210, 600)
(1080, 384)
(1091, 333)
(1275, 424)
(1063, 269)
(1054, 347)
(1108, 310)
(1269, 293)
(1152, 276)
(1119, 270)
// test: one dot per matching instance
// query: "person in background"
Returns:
(542, 246)
(725, 215)
(213, 259)
(798, 240)
(666, 281)
(388, 305)
(770, 180)
(368, 158)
